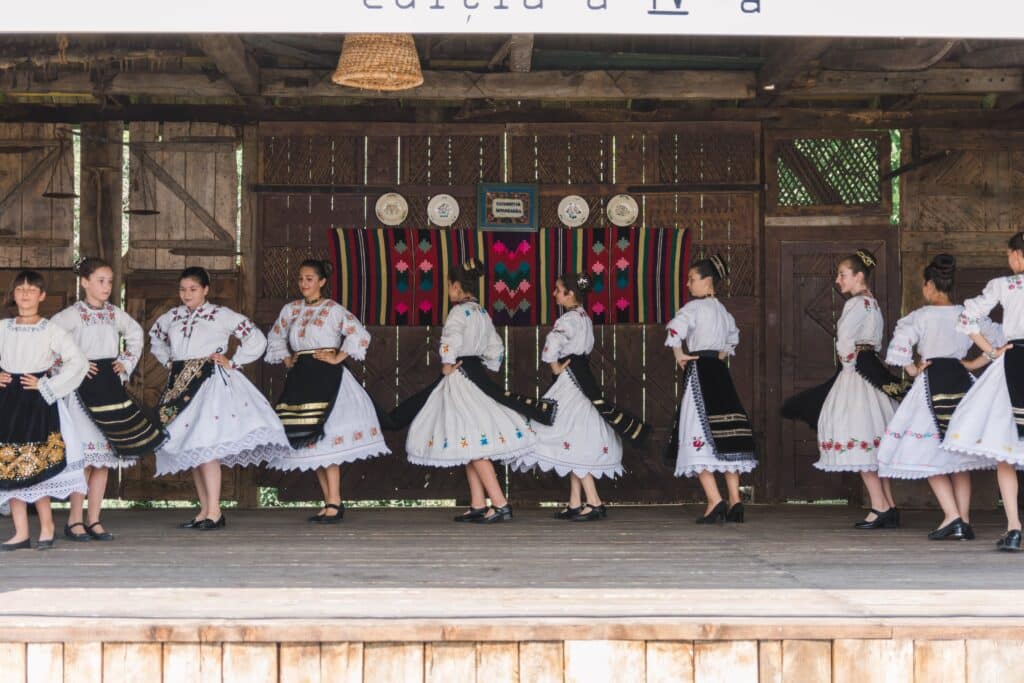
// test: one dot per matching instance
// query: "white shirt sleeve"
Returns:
(904, 338)
(494, 352)
(277, 340)
(74, 366)
(357, 337)
(992, 331)
(854, 313)
(557, 338)
(451, 335)
(159, 340)
(978, 307)
(732, 339)
(133, 342)
(254, 343)
(679, 328)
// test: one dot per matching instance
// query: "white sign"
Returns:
(866, 18)
(505, 207)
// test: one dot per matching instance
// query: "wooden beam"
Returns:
(81, 84)
(520, 59)
(547, 85)
(41, 166)
(931, 82)
(229, 54)
(788, 60)
(1006, 55)
(888, 59)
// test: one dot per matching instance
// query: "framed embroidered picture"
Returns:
(505, 207)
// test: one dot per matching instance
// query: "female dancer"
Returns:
(582, 442)
(212, 413)
(851, 410)
(712, 432)
(40, 454)
(464, 418)
(329, 418)
(108, 422)
(989, 421)
(912, 445)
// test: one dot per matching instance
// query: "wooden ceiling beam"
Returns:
(520, 58)
(930, 82)
(229, 54)
(912, 58)
(1005, 55)
(788, 60)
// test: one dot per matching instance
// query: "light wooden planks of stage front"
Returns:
(395, 595)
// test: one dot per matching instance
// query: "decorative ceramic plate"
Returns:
(573, 211)
(623, 210)
(392, 209)
(443, 210)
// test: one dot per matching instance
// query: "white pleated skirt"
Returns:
(351, 432)
(852, 424)
(96, 448)
(459, 423)
(983, 423)
(580, 442)
(228, 420)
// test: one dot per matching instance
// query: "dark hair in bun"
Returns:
(941, 272)
(87, 265)
(580, 284)
(323, 271)
(195, 273)
(713, 267)
(1016, 242)
(861, 261)
(468, 274)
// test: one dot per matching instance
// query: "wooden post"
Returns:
(101, 210)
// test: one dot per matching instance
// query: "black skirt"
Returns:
(1013, 366)
(183, 382)
(31, 447)
(720, 409)
(946, 383)
(806, 406)
(629, 427)
(310, 390)
(539, 410)
(130, 431)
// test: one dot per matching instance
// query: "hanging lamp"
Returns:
(379, 61)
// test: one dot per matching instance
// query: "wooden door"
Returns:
(802, 309)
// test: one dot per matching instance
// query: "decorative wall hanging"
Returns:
(396, 276)
(443, 210)
(573, 211)
(391, 209)
(507, 207)
(623, 210)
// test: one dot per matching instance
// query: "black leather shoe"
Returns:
(48, 544)
(208, 524)
(1010, 542)
(331, 519)
(591, 515)
(81, 538)
(20, 545)
(502, 514)
(603, 509)
(472, 514)
(954, 531)
(568, 512)
(735, 514)
(894, 518)
(968, 532)
(191, 524)
(881, 521)
(99, 535)
(717, 513)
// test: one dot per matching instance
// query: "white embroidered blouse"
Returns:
(33, 350)
(1008, 291)
(860, 324)
(572, 335)
(468, 331)
(323, 325)
(932, 329)
(98, 333)
(704, 325)
(183, 334)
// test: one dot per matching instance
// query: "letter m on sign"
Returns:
(672, 7)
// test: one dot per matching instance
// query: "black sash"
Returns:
(720, 410)
(130, 431)
(310, 390)
(1013, 366)
(946, 381)
(31, 447)
(542, 411)
(629, 427)
(183, 381)
(806, 406)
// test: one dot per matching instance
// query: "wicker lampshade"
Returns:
(378, 61)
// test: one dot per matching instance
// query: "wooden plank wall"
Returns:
(595, 161)
(568, 661)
